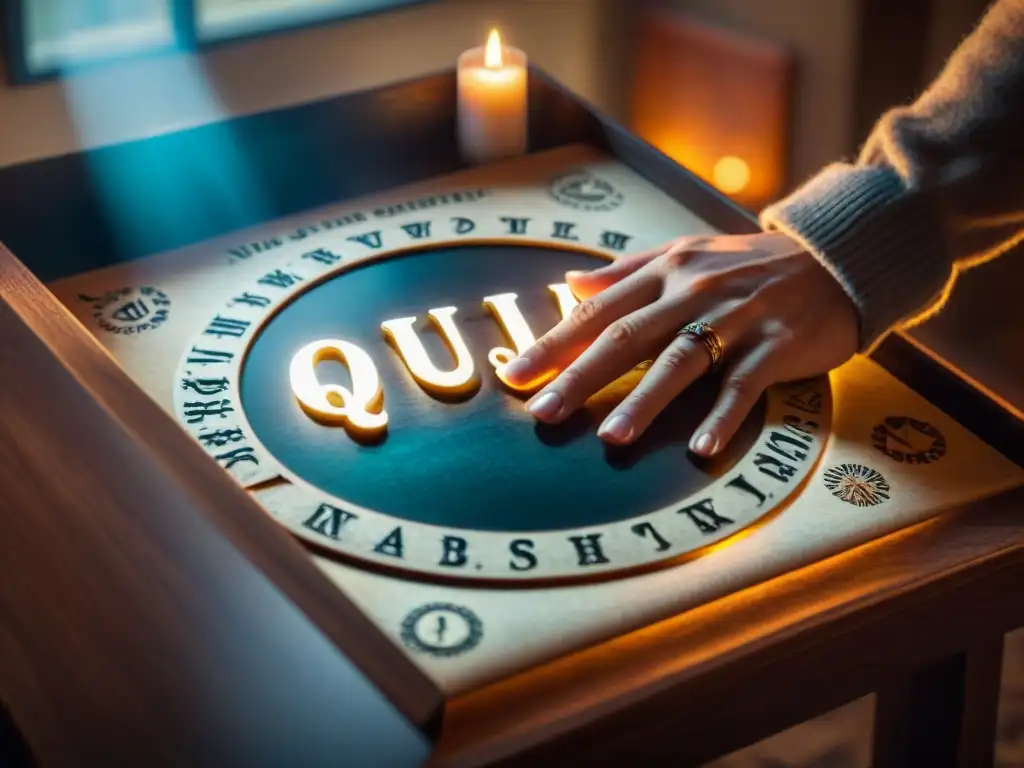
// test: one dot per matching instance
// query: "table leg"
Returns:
(943, 715)
(13, 751)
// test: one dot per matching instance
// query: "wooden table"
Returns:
(151, 652)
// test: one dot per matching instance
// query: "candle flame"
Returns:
(492, 53)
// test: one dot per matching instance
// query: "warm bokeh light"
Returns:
(731, 174)
(492, 53)
(714, 103)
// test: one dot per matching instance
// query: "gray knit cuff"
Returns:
(879, 240)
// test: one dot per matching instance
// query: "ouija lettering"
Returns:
(248, 250)
(586, 549)
(360, 408)
(208, 404)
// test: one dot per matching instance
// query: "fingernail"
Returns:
(617, 428)
(704, 444)
(546, 406)
(572, 274)
(518, 367)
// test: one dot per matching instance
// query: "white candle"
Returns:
(492, 101)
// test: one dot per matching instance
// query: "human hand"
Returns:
(780, 314)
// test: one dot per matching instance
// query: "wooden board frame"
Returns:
(765, 658)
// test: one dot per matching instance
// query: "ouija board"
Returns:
(344, 366)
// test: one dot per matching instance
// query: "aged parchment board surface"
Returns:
(884, 459)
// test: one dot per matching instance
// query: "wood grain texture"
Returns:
(13, 750)
(680, 692)
(942, 715)
(730, 673)
(144, 593)
(979, 715)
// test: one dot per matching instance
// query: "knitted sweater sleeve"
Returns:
(938, 186)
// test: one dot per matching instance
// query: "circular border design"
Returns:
(411, 640)
(609, 203)
(206, 393)
(932, 454)
(109, 324)
(857, 484)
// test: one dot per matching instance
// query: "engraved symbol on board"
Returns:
(856, 484)
(129, 310)
(584, 191)
(909, 440)
(804, 396)
(442, 629)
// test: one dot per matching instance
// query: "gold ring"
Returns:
(709, 337)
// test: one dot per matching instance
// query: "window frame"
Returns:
(184, 19)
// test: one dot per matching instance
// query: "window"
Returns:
(48, 37)
(226, 19)
(55, 35)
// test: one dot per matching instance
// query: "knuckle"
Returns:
(570, 379)
(621, 333)
(585, 312)
(681, 295)
(682, 252)
(633, 408)
(758, 304)
(703, 283)
(742, 387)
(678, 256)
(786, 337)
(779, 332)
(678, 355)
(544, 345)
(718, 419)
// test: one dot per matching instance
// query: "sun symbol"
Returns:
(856, 484)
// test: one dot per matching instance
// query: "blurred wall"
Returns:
(160, 94)
(855, 59)
(951, 21)
(823, 37)
(987, 297)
